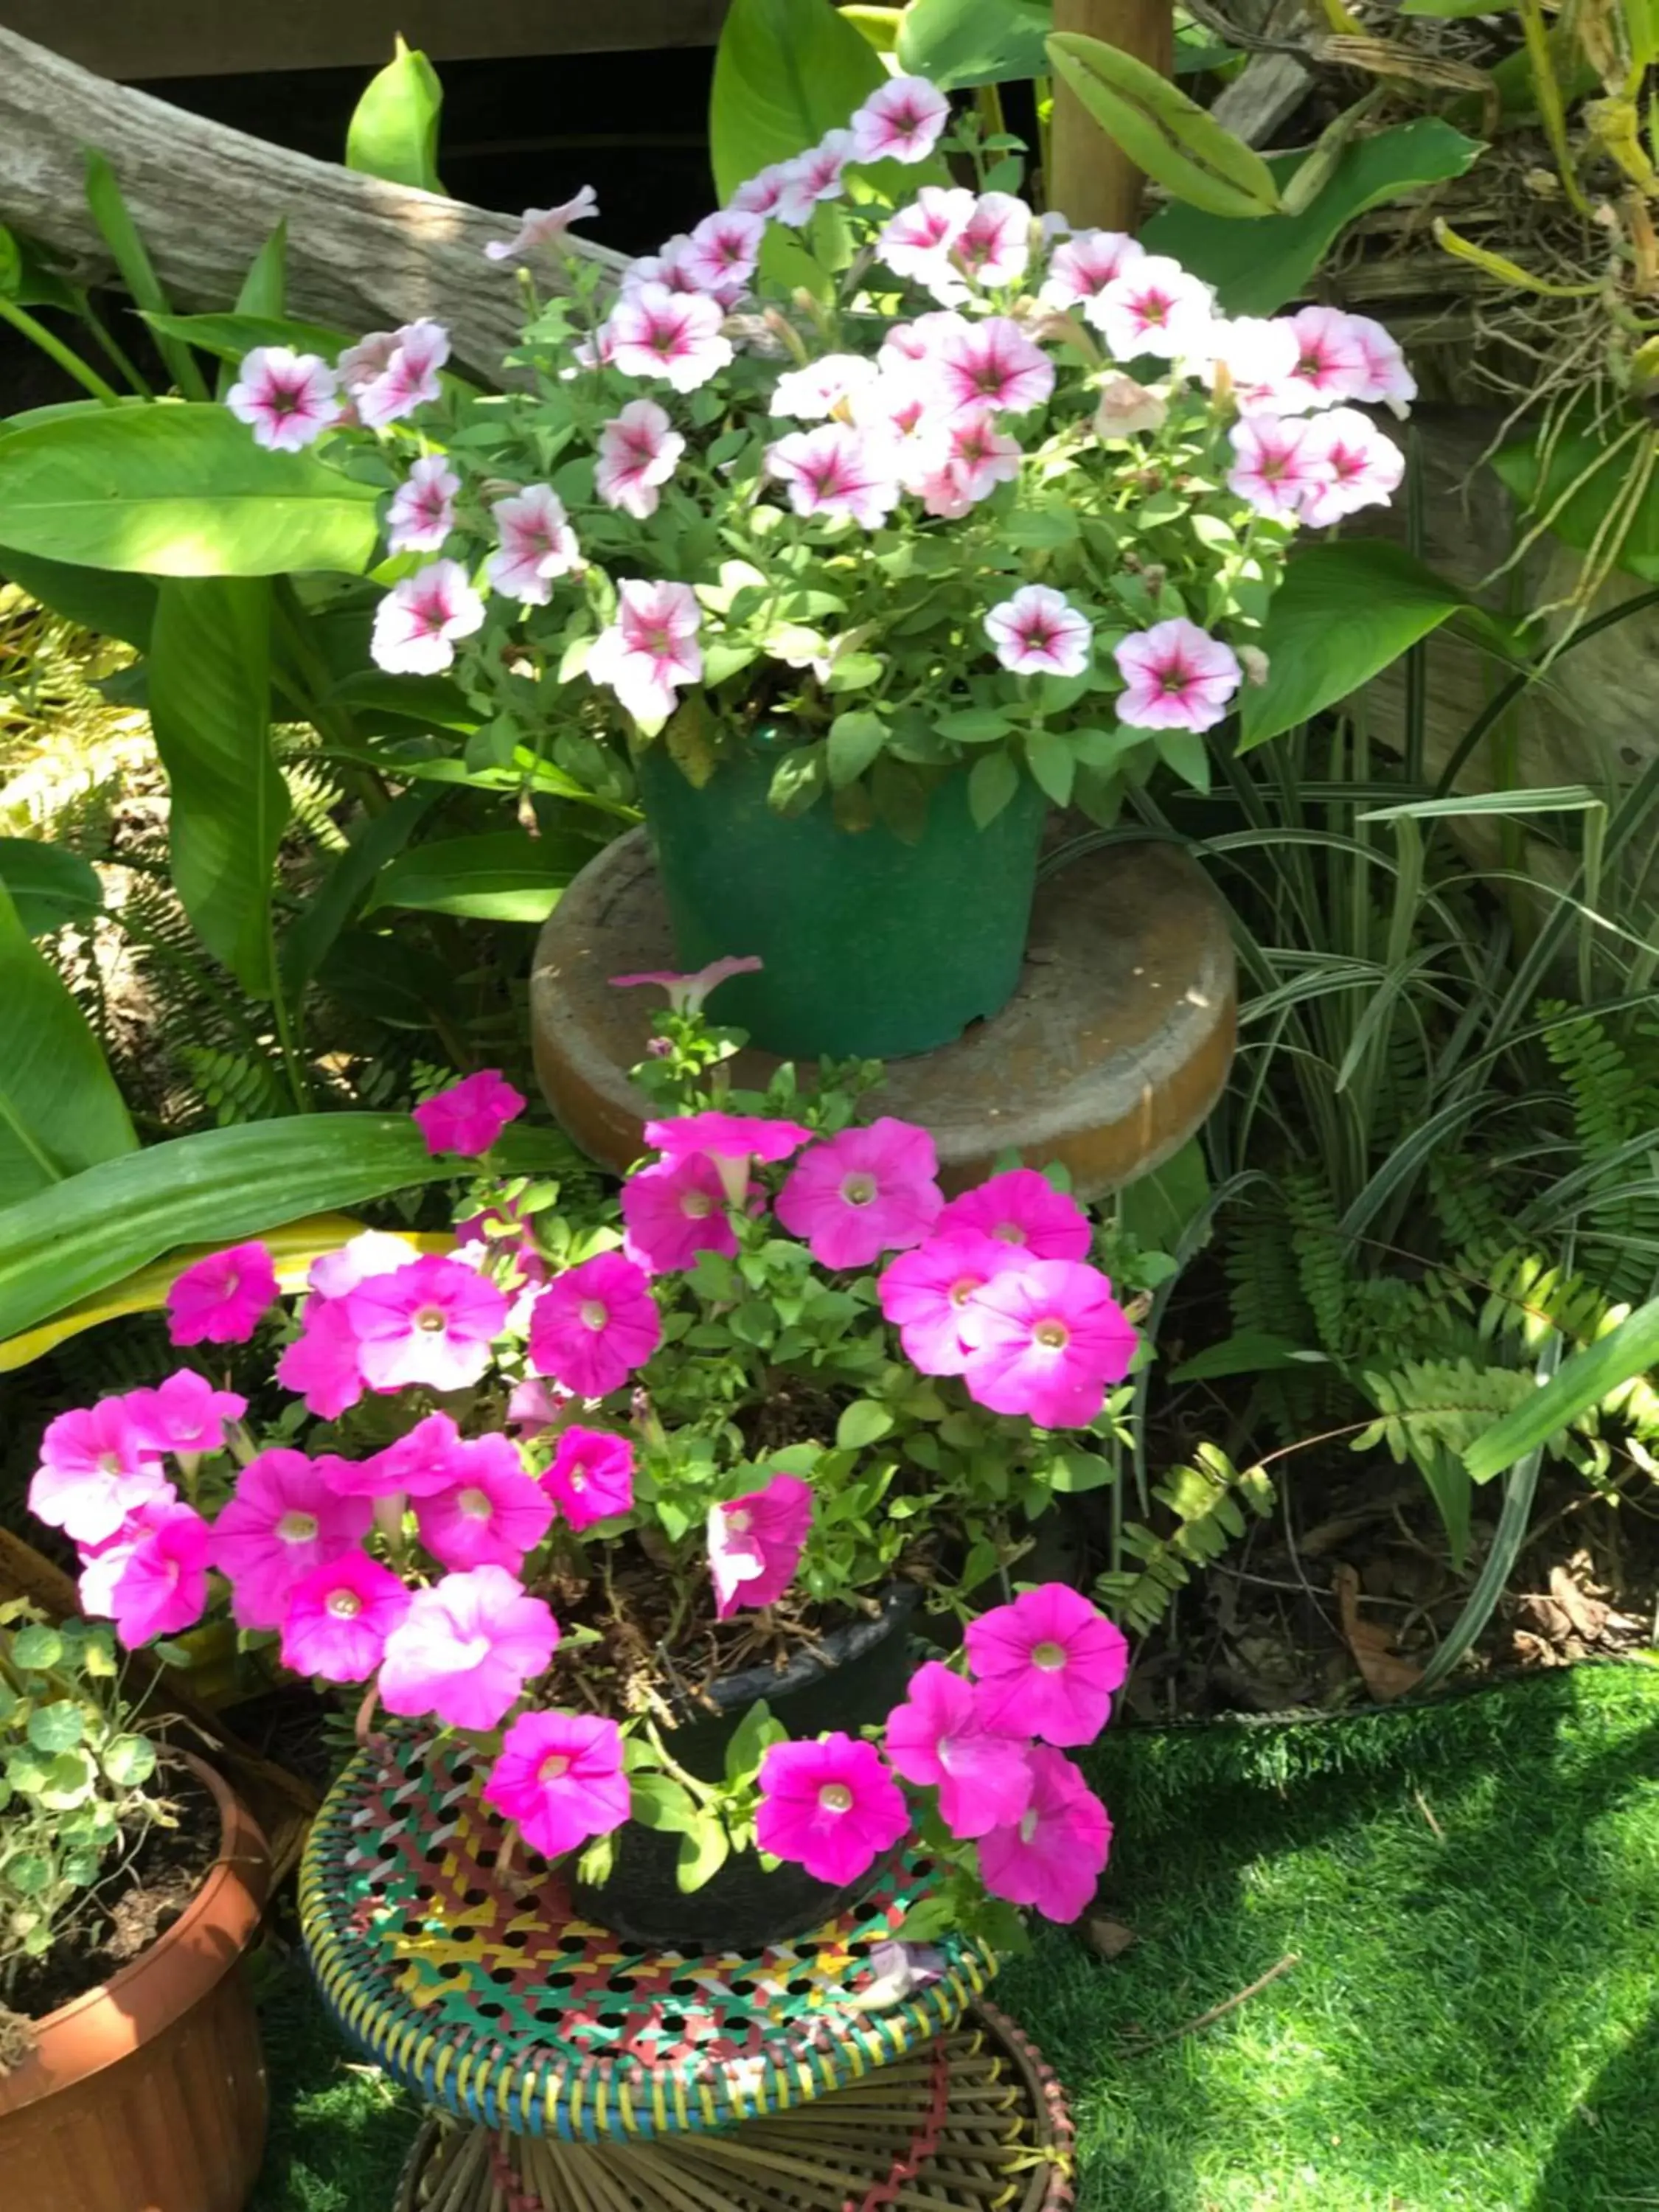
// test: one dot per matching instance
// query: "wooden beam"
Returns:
(1091, 178)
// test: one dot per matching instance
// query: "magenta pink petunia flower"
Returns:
(1022, 1208)
(1038, 632)
(687, 994)
(864, 1192)
(1048, 1665)
(1177, 677)
(672, 1211)
(394, 373)
(830, 1807)
(592, 1477)
(418, 621)
(754, 1543)
(1363, 468)
(532, 1408)
(560, 1777)
(1276, 465)
(638, 451)
(900, 121)
(466, 1649)
(97, 1466)
(721, 251)
(730, 1140)
(654, 332)
(1051, 1857)
(990, 363)
(1084, 265)
(593, 1325)
(544, 226)
(371, 1252)
(221, 1299)
(495, 1513)
(284, 1518)
(836, 471)
(432, 1322)
(471, 1114)
(152, 1580)
(423, 1462)
(650, 649)
(937, 1737)
(1046, 1339)
(185, 1415)
(928, 1294)
(288, 399)
(338, 1617)
(1153, 306)
(536, 545)
(324, 1364)
(422, 510)
(994, 244)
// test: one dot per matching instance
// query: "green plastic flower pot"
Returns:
(873, 948)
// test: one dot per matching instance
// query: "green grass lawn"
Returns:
(1472, 1894)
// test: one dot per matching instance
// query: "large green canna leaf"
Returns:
(786, 72)
(60, 1110)
(176, 490)
(48, 884)
(393, 132)
(965, 42)
(500, 876)
(1168, 135)
(95, 599)
(209, 706)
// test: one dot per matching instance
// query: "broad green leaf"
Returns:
(1251, 1351)
(966, 42)
(333, 903)
(210, 705)
(265, 288)
(502, 876)
(230, 336)
(992, 782)
(1587, 1379)
(49, 885)
(37, 1647)
(29, 1873)
(129, 1760)
(177, 491)
(1159, 1208)
(28, 278)
(657, 1802)
(111, 213)
(60, 1108)
(69, 1780)
(218, 1187)
(1052, 763)
(786, 72)
(1586, 475)
(880, 25)
(754, 1733)
(703, 1851)
(1168, 135)
(1258, 264)
(855, 740)
(55, 1727)
(99, 599)
(862, 1423)
(1072, 1472)
(393, 132)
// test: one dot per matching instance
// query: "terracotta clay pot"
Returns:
(147, 2094)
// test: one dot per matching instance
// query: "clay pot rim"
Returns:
(141, 2002)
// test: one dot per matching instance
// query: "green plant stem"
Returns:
(298, 1076)
(106, 337)
(54, 349)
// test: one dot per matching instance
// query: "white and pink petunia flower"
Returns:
(638, 451)
(422, 510)
(761, 193)
(1363, 468)
(416, 625)
(915, 243)
(906, 344)
(286, 398)
(978, 457)
(990, 363)
(650, 648)
(1388, 382)
(898, 407)
(1275, 464)
(1084, 265)
(836, 470)
(1039, 632)
(1177, 677)
(393, 372)
(900, 122)
(1332, 365)
(666, 266)
(994, 246)
(536, 544)
(674, 335)
(1153, 306)
(813, 177)
(1260, 357)
(544, 226)
(720, 253)
(820, 388)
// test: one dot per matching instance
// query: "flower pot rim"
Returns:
(141, 2002)
(837, 1647)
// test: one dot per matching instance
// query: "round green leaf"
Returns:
(71, 1780)
(55, 1727)
(37, 1647)
(863, 1422)
(28, 1874)
(129, 1760)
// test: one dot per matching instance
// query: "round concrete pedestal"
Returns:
(1107, 1057)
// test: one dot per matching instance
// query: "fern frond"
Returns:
(1208, 1501)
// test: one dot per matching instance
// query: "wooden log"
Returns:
(1091, 178)
(362, 254)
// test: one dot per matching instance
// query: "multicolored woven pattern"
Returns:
(487, 1996)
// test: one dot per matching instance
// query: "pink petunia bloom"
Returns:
(917, 241)
(688, 993)
(900, 121)
(990, 363)
(978, 457)
(1051, 1857)
(532, 1408)
(339, 1616)
(432, 1322)
(152, 1580)
(674, 335)
(665, 266)
(730, 1140)
(761, 193)
(536, 544)
(425, 1462)
(371, 1252)
(836, 471)
(501, 1234)
(914, 344)
(650, 649)
(928, 1294)
(422, 510)
(938, 1738)
(638, 451)
(592, 1477)
(418, 621)
(898, 407)
(287, 400)
(466, 1649)
(388, 382)
(223, 1298)
(1046, 1339)
(1363, 468)
(994, 244)
(1022, 1209)
(495, 1514)
(593, 1325)
(560, 1777)
(722, 251)
(830, 1807)
(1331, 364)
(1178, 678)
(324, 1365)
(1275, 465)
(754, 1543)
(183, 1414)
(97, 1466)
(469, 1116)
(544, 226)
(284, 1518)
(1386, 381)
(673, 1210)
(1153, 306)
(1039, 632)
(864, 1192)
(1048, 1665)
(1260, 357)
(823, 387)
(812, 177)
(1084, 265)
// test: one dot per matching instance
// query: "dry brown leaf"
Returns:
(1387, 1675)
(1588, 1615)
(1109, 1937)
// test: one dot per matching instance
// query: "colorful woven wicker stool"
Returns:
(565, 2055)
